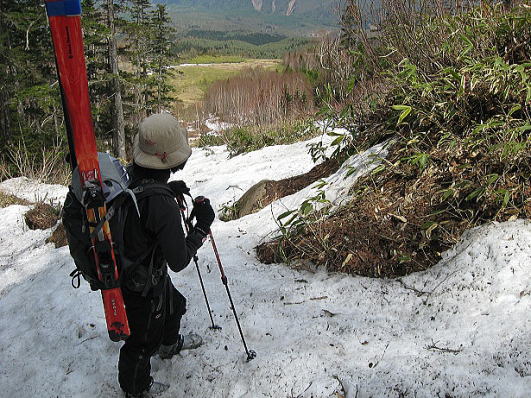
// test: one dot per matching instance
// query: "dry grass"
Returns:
(401, 220)
(42, 216)
(190, 83)
(8, 200)
(47, 166)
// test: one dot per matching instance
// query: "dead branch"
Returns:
(434, 347)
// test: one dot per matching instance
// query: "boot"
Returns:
(155, 388)
(186, 342)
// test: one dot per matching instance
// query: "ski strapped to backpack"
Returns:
(137, 274)
(65, 26)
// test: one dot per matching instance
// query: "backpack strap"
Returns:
(144, 189)
(110, 212)
(149, 187)
(151, 280)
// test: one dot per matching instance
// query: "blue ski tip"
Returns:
(61, 8)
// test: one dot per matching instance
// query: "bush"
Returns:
(47, 165)
(42, 216)
(246, 139)
(459, 116)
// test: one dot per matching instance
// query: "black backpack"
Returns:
(123, 201)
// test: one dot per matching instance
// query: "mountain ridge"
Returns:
(279, 7)
(308, 15)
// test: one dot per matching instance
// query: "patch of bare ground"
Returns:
(42, 216)
(58, 237)
(401, 219)
(267, 191)
(288, 186)
(378, 234)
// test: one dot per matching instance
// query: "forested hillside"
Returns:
(280, 7)
(290, 17)
(127, 48)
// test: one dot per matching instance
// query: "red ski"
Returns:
(65, 26)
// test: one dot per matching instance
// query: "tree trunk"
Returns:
(118, 110)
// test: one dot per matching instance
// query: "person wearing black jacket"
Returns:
(157, 237)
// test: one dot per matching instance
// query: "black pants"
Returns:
(154, 320)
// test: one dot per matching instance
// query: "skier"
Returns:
(154, 306)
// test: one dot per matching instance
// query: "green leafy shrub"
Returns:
(246, 139)
(460, 118)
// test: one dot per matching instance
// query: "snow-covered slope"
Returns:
(460, 329)
(25, 188)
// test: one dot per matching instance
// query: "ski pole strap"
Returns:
(62, 8)
(182, 202)
(183, 207)
(76, 278)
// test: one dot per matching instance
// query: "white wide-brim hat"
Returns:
(161, 143)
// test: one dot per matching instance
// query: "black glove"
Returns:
(179, 188)
(204, 214)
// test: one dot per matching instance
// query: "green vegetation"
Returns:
(247, 139)
(213, 59)
(188, 47)
(190, 83)
(453, 97)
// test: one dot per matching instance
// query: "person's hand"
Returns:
(179, 188)
(204, 214)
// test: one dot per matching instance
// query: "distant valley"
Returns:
(285, 17)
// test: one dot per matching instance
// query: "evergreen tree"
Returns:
(96, 50)
(28, 102)
(118, 111)
(160, 59)
(138, 32)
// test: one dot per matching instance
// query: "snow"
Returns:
(460, 329)
(25, 188)
(210, 171)
(216, 126)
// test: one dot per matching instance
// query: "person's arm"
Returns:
(164, 221)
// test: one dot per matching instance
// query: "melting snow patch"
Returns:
(460, 329)
(34, 191)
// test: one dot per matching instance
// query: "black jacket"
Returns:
(159, 226)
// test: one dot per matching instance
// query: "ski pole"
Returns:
(250, 353)
(181, 201)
